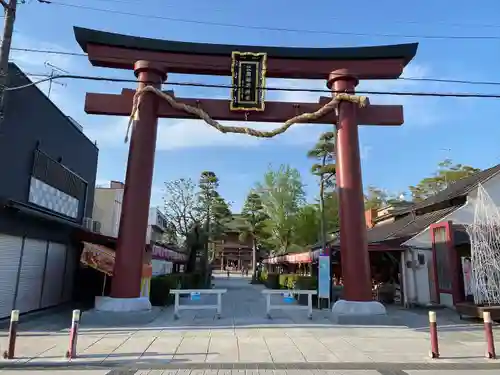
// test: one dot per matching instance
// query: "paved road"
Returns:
(244, 341)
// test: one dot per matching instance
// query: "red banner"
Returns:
(102, 259)
(98, 257)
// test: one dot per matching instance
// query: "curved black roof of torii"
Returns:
(396, 51)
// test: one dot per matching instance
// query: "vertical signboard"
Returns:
(324, 276)
(248, 80)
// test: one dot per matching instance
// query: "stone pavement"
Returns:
(244, 341)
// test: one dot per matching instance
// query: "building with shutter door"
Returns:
(49, 170)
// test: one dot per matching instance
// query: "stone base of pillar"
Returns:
(122, 304)
(120, 312)
(363, 313)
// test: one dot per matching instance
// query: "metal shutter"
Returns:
(31, 277)
(69, 274)
(54, 275)
(10, 253)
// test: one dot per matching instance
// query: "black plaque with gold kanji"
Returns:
(248, 81)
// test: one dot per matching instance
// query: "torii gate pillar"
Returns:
(353, 244)
(138, 182)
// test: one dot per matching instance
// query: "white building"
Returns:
(107, 209)
(440, 259)
(157, 226)
(107, 213)
(106, 221)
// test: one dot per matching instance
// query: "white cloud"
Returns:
(177, 134)
(37, 60)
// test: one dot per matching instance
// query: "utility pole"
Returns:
(8, 29)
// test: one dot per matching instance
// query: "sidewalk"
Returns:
(245, 339)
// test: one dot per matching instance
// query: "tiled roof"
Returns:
(420, 222)
(397, 211)
(405, 227)
(382, 231)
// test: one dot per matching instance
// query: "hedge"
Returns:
(160, 286)
(288, 281)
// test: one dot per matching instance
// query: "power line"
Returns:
(393, 21)
(135, 2)
(193, 84)
(280, 29)
(201, 65)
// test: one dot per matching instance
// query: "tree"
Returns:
(170, 236)
(181, 206)
(282, 195)
(255, 218)
(375, 197)
(331, 208)
(195, 244)
(324, 151)
(307, 226)
(207, 195)
(220, 216)
(447, 173)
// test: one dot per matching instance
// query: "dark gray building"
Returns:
(48, 169)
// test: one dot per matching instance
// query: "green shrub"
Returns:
(159, 294)
(160, 286)
(294, 281)
(288, 281)
(283, 281)
(263, 276)
(306, 282)
(272, 281)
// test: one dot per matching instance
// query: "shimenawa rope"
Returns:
(362, 101)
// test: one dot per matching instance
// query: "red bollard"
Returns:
(434, 353)
(488, 331)
(73, 335)
(14, 320)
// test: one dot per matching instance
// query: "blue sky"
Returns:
(466, 130)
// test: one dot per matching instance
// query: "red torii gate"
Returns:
(152, 59)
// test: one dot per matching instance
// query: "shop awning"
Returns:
(304, 257)
(102, 259)
(164, 253)
(312, 256)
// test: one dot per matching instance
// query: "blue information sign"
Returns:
(324, 276)
(195, 296)
(288, 298)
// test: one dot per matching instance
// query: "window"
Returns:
(58, 176)
(54, 187)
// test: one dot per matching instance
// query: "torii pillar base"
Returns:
(364, 313)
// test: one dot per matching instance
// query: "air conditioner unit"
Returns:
(96, 226)
(87, 223)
